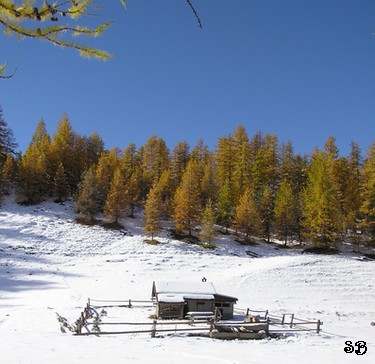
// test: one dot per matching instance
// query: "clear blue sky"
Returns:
(301, 69)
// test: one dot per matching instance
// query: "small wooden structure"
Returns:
(175, 299)
(235, 330)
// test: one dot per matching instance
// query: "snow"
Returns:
(49, 264)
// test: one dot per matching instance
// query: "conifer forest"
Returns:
(255, 184)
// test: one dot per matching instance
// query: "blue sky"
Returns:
(301, 69)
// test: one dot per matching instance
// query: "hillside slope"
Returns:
(49, 263)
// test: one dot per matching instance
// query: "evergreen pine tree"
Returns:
(7, 141)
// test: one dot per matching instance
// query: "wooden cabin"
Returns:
(174, 300)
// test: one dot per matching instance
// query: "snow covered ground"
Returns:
(50, 264)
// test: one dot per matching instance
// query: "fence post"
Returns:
(247, 312)
(79, 326)
(266, 315)
(283, 319)
(153, 330)
(291, 320)
(319, 323)
(130, 303)
(212, 325)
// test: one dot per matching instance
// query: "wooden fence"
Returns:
(256, 324)
(286, 322)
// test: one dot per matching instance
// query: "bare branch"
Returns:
(195, 13)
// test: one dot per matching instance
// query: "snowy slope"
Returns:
(49, 264)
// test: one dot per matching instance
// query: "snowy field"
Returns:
(50, 264)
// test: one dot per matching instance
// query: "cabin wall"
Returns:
(170, 310)
(200, 305)
(226, 309)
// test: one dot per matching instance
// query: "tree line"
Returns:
(255, 185)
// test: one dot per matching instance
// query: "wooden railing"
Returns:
(262, 322)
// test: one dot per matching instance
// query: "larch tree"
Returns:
(186, 200)
(94, 148)
(247, 219)
(58, 23)
(107, 165)
(117, 204)
(165, 191)
(41, 140)
(52, 22)
(131, 167)
(8, 175)
(129, 161)
(179, 160)
(353, 198)
(322, 219)
(32, 181)
(208, 232)
(65, 149)
(61, 186)
(242, 166)
(226, 161)
(155, 160)
(153, 211)
(209, 183)
(87, 199)
(265, 201)
(285, 211)
(135, 188)
(225, 205)
(368, 194)
(40, 133)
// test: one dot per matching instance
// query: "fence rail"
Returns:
(288, 322)
(96, 303)
(260, 320)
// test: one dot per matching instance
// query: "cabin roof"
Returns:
(174, 291)
(181, 298)
(193, 288)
